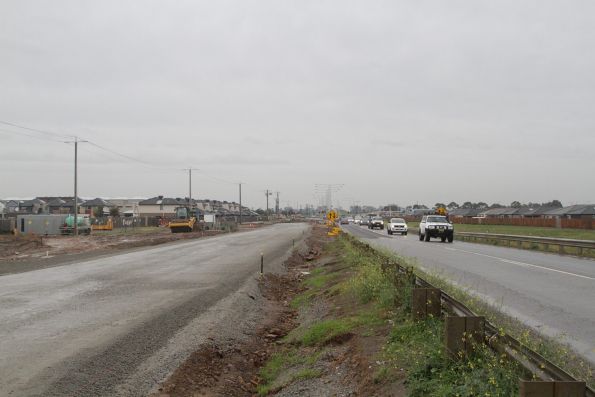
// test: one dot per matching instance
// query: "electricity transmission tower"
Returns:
(326, 190)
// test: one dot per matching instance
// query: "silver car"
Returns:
(397, 225)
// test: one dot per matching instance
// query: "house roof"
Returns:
(502, 211)
(159, 200)
(31, 203)
(97, 202)
(56, 202)
(582, 209)
(70, 202)
(465, 212)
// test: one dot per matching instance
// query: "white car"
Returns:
(397, 225)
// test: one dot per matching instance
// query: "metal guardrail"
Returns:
(580, 245)
(531, 361)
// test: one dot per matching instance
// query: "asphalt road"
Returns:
(118, 325)
(552, 293)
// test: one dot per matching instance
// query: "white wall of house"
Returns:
(157, 209)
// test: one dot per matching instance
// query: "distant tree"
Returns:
(114, 211)
(420, 207)
(496, 205)
(481, 205)
(553, 203)
(467, 205)
(452, 205)
(97, 212)
(260, 211)
(439, 205)
(391, 207)
(516, 204)
(533, 205)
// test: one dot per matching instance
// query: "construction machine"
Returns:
(186, 220)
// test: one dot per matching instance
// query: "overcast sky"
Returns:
(400, 101)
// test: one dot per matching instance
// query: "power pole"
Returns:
(76, 200)
(240, 184)
(277, 205)
(189, 169)
(267, 194)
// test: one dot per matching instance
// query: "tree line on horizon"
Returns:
(470, 205)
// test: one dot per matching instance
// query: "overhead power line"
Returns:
(68, 138)
(36, 130)
(44, 138)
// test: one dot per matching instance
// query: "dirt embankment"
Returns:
(27, 247)
(33, 246)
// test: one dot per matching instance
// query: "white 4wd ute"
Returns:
(397, 225)
(435, 226)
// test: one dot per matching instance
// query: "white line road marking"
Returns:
(522, 263)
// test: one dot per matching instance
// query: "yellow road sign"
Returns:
(332, 215)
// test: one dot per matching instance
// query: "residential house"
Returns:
(127, 206)
(34, 206)
(160, 206)
(11, 206)
(579, 211)
(91, 205)
(504, 212)
(463, 212)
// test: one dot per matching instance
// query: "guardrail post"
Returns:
(463, 334)
(425, 303)
(552, 389)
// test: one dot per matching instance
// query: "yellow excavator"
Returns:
(186, 220)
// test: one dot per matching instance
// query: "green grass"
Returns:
(324, 331)
(317, 281)
(284, 361)
(302, 300)
(485, 368)
(419, 347)
(555, 350)
(577, 234)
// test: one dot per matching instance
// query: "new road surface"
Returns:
(118, 325)
(552, 293)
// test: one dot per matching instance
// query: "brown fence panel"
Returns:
(533, 222)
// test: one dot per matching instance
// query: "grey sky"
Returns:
(402, 101)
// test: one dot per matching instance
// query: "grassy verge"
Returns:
(418, 347)
(376, 304)
(577, 234)
(552, 248)
(555, 350)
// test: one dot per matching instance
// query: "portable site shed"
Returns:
(40, 224)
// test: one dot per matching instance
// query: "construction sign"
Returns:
(331, 216)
